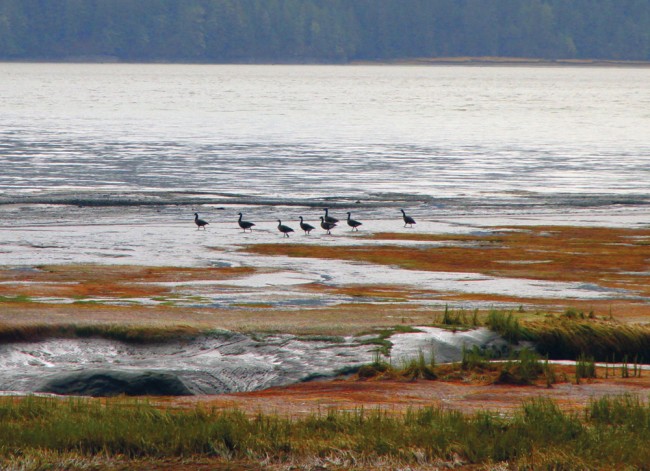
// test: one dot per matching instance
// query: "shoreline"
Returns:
(440, 61)
(522, 61)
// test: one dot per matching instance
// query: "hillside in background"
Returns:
(322, 30)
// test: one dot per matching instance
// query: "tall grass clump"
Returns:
(459, 318)
(419, 367)
(626, 409)
(378, 367)
(411, 368)
(563, 338)
(624, 424)
(585, 367)
(524, 367)
(506, 325)
(573, 334)
(549, 373)
(474, 358)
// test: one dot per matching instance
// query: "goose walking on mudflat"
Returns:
(245, 224)
(284, 229)
(352, 223)
(407, 219)
(306, 227)
(328, 226)
(328, 218)
(199, 222)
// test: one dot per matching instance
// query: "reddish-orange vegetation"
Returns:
(80, 281)
(400, 395)
(609, 257)
(369, 291)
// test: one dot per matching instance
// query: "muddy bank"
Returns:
(217, 364)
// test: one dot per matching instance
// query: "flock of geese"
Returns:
(327, 223)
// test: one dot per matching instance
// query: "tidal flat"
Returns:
(280, 329)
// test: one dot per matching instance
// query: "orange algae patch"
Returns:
(121, 273)
(399, 396)
(609, 257)
(368, 291)
(121, 281)
(82, 290)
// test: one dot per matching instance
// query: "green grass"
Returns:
(474, 358)
(562, 338)
(573, 334)
(419, 367)
(123, 333)
(523, 368)
(507, 325)
(459, 318)
(585, 367)
(612, 432)
(16, 299)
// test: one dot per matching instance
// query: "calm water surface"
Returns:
(450, 138)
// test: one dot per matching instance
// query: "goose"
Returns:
(245, 224)
(306, 227)
(199, 222)
(329, 218)
(328, 226)
(407, 219)
(284, 229)
(352, 223)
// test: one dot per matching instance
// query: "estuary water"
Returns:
(437, 140)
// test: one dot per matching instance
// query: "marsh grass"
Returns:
(415, 368)
(124, 333)
(525, 367)
(419, 367)
(574, 334)
(611, 432)
(562, 338)
(627, 371)
(378, 367)
(585, 368)
(474, 359)
(507, 325)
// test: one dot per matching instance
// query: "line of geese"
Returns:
(327, 222)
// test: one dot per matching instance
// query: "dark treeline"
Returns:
(322, 30)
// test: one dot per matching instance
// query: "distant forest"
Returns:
(322, 30)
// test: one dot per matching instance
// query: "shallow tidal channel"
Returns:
(215, 364)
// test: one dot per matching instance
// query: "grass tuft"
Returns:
(524, 368)
(507, 325)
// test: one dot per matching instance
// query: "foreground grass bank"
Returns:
(609, 432)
